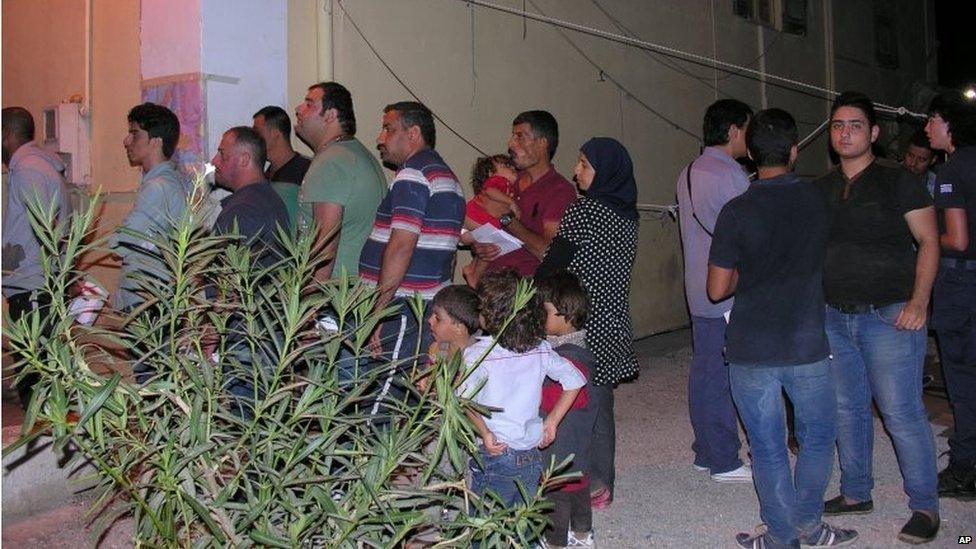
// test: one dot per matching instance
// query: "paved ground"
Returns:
(661, 500)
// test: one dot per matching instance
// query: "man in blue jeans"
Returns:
(877, 289)
(768, 248)
(703, 188)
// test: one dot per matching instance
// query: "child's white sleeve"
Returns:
(467, 387)
(564, 372)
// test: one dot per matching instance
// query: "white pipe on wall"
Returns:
(325, 65)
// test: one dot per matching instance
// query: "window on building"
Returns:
(782, 15)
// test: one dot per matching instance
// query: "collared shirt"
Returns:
(35, 175)
(160, 205)
(775, 234)
(513, 382)
(425, 198)
(545, 201)
(716, 178)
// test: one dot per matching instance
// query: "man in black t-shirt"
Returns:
(285, 165)
(952, 128)
(877, 288)
(768, 248)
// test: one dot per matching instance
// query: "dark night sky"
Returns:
(956, 32)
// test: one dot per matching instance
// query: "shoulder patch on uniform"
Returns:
(945, 188)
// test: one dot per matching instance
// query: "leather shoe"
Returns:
(838, 506)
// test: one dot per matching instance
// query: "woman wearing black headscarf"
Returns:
(597, 241)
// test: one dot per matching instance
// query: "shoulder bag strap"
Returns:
(691, 201)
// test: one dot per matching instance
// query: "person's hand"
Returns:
(516, 212)
(492, 446)
(912, 317)
(486, 252)
(375, 344)
(548, 434)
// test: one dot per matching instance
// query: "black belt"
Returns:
(854, 308)
(957, 263)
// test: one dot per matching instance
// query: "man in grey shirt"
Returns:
(160, 204)
(36, 176)
(714, 179)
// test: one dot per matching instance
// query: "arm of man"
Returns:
(923, 226)
(328, 218)
(956, 236)
(721, 282)
(534, 242)
(147, 208)
(396, 259)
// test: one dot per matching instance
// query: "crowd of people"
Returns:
(835, 282)
(832, 282)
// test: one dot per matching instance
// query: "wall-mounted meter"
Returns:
(66, 134)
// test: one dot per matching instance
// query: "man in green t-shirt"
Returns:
(345, 183)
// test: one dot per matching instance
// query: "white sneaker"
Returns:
(699, 467)
(741, 475)
(586, 541)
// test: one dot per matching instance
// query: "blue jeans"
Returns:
(954, 320)
(873, 358)
(710, 405)
(500, 473)
(791, 504)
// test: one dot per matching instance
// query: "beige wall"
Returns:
(478, 81)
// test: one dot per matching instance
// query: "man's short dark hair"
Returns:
(157, 121)
(336, 96)
(543, 124)
(19, 122)
(246, 136)
(859, 101)
(527, 328)
(564, 290)
(462, 304)
(770, 137)
(719, 116)
(277, 118)
(920, 139)
(960, 113)
(416, 114)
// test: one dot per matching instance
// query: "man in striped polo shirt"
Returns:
(414, 239)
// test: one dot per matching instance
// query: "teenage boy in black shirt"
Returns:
(768, 248)
(952, 128)
(877, 288)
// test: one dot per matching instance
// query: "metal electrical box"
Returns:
(66, 134)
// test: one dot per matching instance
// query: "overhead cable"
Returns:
(674, 52)
(400, 80)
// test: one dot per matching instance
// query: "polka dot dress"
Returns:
(606, 246)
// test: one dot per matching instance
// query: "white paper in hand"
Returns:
(486, 234)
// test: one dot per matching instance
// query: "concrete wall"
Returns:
(245, 70)
(476, 68)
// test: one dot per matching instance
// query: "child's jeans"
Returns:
(501, 472)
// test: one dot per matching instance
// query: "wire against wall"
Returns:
(404, 84)
(705, 60)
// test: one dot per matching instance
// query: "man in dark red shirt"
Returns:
(543, 195)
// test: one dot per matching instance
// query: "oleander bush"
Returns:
(242, 436)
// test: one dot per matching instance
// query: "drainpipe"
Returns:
(323, 35)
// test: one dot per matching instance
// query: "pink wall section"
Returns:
(170, 38)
